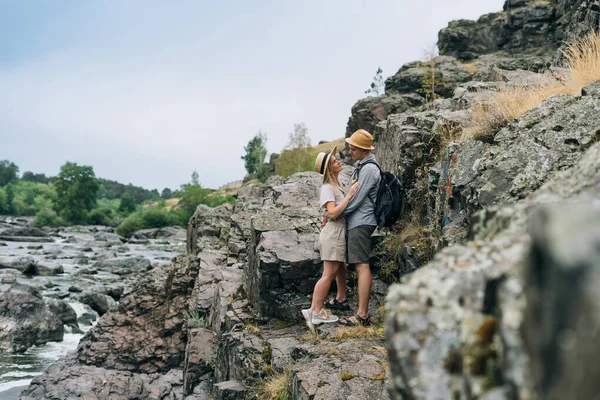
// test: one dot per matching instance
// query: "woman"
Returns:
(332, 238)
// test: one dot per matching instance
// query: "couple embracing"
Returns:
(349, 222)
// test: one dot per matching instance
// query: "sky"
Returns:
(148, 91)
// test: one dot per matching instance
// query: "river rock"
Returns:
(62, 310)
(47, 268)
(24, 264)
(124, 266)
(99, 302)
(25, 320)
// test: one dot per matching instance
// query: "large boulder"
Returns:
(24, 264)
(99, 302)
(25, 320)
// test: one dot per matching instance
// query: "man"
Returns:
(361, 223)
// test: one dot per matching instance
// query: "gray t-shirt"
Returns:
(361, 209)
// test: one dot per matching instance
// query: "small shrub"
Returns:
(469, 67)
(196, 319)
(130, 225)
(334, 351)
(148, 218)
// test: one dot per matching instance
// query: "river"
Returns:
(75, 250)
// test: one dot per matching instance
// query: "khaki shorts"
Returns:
(359, 244)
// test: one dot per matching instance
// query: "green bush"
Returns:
(149, 218)
(154, 218)
(47, 217)
(130, 225)
(100, 216)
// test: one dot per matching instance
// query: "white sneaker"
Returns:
(307, 314)
(324, 317)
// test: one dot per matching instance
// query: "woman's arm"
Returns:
(334, 211)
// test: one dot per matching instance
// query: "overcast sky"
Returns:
(146, 92)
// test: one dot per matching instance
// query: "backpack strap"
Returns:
(358, 173)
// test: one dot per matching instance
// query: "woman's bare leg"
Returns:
(330, 271)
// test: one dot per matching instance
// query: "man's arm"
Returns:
(367, 178)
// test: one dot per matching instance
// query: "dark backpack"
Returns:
(389, 199)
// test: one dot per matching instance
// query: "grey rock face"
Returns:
(463, 317)
(208, 227)
(521, 27)
(410, 78)
(368, 112)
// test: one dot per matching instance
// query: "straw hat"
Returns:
(322, 162)
(361, 139)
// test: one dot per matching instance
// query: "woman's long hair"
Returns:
(329, 178)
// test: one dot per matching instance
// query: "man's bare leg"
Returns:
(364, 289)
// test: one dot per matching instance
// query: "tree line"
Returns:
(77, 196)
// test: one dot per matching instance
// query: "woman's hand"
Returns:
(353, 190)
(324, 220)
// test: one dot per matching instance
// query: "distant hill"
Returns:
(113, 190)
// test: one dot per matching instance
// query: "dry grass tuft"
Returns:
(507, 105)
(252, 328)
(334, 351)
(308, 337)
(358, 332)
(448, 133)
(276, 387)
(582, 58)
(583, 61)
(469, 67)
(410, 233)
(347, 375)
(381, 376)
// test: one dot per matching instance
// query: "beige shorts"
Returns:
(333, 241)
